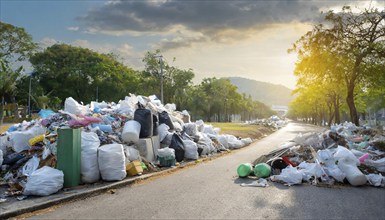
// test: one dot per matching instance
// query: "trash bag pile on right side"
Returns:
(345, 154)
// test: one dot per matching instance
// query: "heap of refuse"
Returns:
(117, 139)
(345, 154)
(273, 122)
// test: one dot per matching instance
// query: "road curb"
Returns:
(98, 190)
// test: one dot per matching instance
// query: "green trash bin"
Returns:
(68, 155)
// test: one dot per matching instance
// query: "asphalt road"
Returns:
(211, 190)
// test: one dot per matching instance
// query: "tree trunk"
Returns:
(16, 109)
(351, 104)
(337, 110)
(2, 111)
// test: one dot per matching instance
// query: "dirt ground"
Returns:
(253, 131)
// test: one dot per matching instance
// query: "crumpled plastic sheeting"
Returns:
(290, 175)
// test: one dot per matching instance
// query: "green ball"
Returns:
(262, 170)
(244, 169)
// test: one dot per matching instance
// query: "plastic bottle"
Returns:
(244, 169)
(262, 170)
(353, 174)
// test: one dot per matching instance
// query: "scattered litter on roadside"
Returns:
(135, 136)
(345, 154)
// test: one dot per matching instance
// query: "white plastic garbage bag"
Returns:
(112, 162)
(31, 165)
(4, 143)
(378, 164)
(1, 157)
(233, 142)
(190, 150)
(376, 179)
(19, 139)
(163, 131)
(246, 141)
(223, 140)
(131, 153)
(89, 157)
(310, 169)
(289, 175)
(166, 152)
(73, 107)
(190, 129)
(261, 182)
(44, 181)
(131, 131)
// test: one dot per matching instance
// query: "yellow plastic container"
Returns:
(134, 168)
(36, 140)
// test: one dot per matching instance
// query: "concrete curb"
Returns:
(84, 193)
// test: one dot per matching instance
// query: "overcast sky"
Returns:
(213, 37)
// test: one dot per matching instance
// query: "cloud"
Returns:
(47, 42)
(73, 28)
(219, 21)
(159, 16)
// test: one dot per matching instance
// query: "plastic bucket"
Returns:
(244, 169)
(262, 170)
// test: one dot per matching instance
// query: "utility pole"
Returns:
(161, 77)
(29, 96)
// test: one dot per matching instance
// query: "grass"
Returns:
(4, 127)
(243, 130)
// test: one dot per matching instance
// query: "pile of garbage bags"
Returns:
(344, 154)
(116, 139)
(272, 122)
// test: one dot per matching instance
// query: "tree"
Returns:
(15, 45)
(68, 71)
(355, 42)
(176, 81)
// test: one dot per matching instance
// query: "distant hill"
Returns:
(268, 93)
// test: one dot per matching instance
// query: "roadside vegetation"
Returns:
(62, 71)
(340, 68)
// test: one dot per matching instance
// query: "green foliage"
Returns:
(346, 57)
(15, 43)
(77, 72)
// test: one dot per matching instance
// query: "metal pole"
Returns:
(29, 97)
(97, 93)
(161, 78)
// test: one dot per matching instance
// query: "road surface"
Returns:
(211, 190)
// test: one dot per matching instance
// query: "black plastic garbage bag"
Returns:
(178, 145)
(164, 118)
(144, 117)
(154, 125)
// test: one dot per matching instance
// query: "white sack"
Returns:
(190, 150)
(131, 131)
(112, 162)
(44, 181)
(73, 107)
(89, 157)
